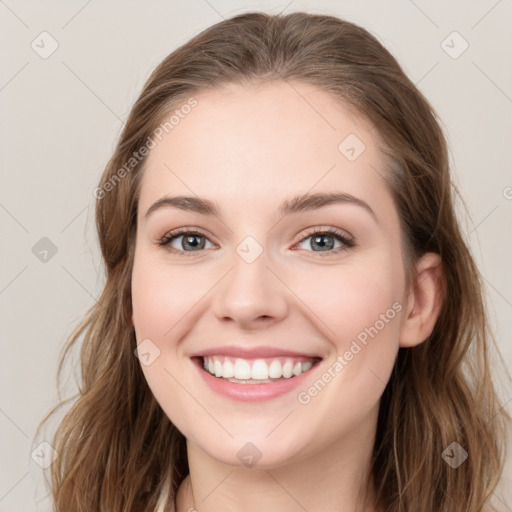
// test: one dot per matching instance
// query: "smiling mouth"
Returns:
(258, 370)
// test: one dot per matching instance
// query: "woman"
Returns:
(229, 366)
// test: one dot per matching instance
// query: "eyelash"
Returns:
(347, 242)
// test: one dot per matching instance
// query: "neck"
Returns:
(335, 478)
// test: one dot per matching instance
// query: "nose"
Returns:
(251, 296)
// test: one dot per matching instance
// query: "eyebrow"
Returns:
(301, 203)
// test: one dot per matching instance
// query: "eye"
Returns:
(185, 240)
(324, 241)
(191, 241)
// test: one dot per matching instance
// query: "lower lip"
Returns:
(252, 392)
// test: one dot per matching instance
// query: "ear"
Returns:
(424, 301)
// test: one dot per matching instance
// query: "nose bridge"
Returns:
(250, 291)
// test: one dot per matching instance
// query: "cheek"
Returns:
(161, 296)
(161, 299)
(360, 309)
(348, 300)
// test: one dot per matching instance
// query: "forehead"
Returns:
(259, 140)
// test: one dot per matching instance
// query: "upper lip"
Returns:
(245, 352)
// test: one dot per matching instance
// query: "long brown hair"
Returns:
(117, 450)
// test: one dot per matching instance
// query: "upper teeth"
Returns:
(257, 369)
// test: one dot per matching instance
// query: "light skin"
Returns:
(248, 149)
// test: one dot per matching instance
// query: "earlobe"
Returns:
(424, 301)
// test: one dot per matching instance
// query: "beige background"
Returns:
(60, 116)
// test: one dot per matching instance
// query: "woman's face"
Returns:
(314, 288)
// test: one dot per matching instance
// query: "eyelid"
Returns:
(330, 230)
(171, 235)
(347, 240)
